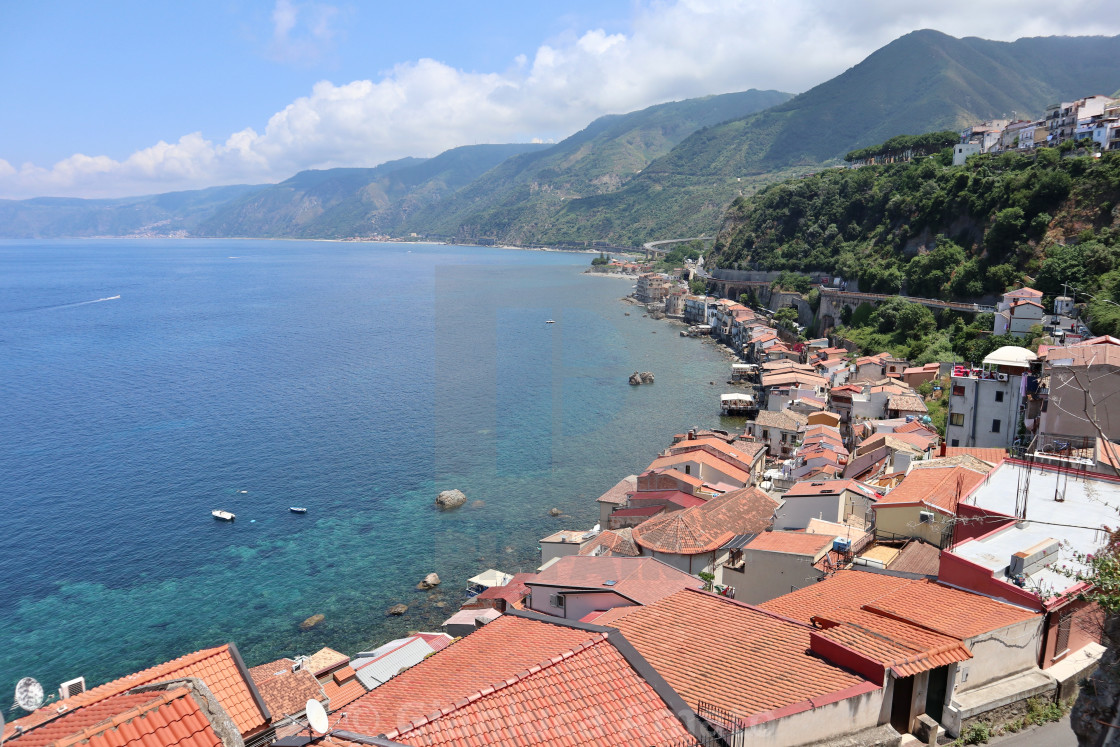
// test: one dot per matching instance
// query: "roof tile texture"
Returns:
(151, 719)
(705, 528)
(500, 650)
(644, 580)
(588, 696)
(797, 543)
(942, 488)
(730, 654)
(214, 666)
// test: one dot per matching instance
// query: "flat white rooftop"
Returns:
(1071, 508)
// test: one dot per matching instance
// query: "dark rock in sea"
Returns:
(450, 499)
(555, 512)
(397, 609)
(635, 379)
(431, 580)
(646, 377)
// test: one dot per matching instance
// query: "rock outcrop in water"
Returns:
(311, 622)
(450, 499)
(645, 377)
(430, 581)
(398, 609)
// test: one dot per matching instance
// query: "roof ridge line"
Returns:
(477, 695)
(158, 700)
(753, 607)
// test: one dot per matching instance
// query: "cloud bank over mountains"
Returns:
(673, 50)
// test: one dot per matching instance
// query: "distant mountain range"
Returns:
(667, 171)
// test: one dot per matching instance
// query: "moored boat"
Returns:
(223, 515)
(297, 509)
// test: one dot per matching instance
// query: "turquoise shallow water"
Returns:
(354, 379)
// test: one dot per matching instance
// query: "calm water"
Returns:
(354, 379)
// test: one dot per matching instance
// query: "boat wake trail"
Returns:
(66, 305)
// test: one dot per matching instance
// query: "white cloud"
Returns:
(302, 33)
(674, 50)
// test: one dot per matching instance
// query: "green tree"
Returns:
(786, 317)
(697, 287)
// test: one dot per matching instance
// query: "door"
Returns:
(900, 704)
(935, 692)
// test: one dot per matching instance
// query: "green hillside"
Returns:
(338, 203)
(518, 201)
(922, 82)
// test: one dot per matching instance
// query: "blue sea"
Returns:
(145, 383)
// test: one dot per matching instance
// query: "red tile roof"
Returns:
(150, 719)
(285, 692)
(342, 694)
(928, 604)
(796, 543)
(503, 651)
(676, 497)
(705, 528)
(612, 542)
(819, 487)
(642, 580)
(732, 655)
(895, 644)
(220, 668)
(993, 456)
(705, 458)
(617, 494)
(940, 488)
(589, 695)
(512, 592)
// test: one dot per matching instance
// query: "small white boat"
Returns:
(223, 515)
(297, 509)
(550, 321)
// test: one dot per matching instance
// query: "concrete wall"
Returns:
(691, 564)
(903, 521)
(550, 550)
(766, 575)
(798, 510)
(576, 604)
(1086, 627)
(979, 406)
(1000, 653)
(809, 725)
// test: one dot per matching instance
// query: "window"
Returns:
(956, 442)
(999, 396)
(1061, 643)
(995, 426)
(688, 469)
(956, 418)
(958, 390)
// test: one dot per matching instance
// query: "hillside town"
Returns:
(834, 569)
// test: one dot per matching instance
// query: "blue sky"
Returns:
(117, 98)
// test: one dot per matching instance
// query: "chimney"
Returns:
(943, 445)
(692, 434)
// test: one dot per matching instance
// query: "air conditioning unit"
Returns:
(556, 600)
(841, 545)
(1002, 377)
(925, 517)
(73, 687)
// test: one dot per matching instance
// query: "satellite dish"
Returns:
(317, 716)
(29, 694)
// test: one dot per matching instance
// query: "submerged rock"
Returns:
(311, 622)
(555, 512)
(397, 609)
(450, 499)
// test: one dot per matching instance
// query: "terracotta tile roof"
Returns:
(286, 692)
(819, 487)
(589, 695)
(915, 426)
(795, 543)
(705, 528)
(894, 441)
(737, 657)
(942, 609)
(512, 592)
(324, 659)
(744, 451)
(342, 694)
(992, 456)
(617, 494)
(906, 403)
(663, 497)
(638, 511)
(151, 719)
(438, 641)
(677, 475)
(895, 644)
(936, 487)
(220, 668)
(917, 557)
(642, 580)
(785, 420)
(705, 458)
(495, 652)
(612, 542)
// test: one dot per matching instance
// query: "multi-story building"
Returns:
(696, 309)
(985, 404)
(1063, 118)
(652, 287)
(1018, 311)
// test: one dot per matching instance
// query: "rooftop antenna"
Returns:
(316, 718)
(29, 694)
